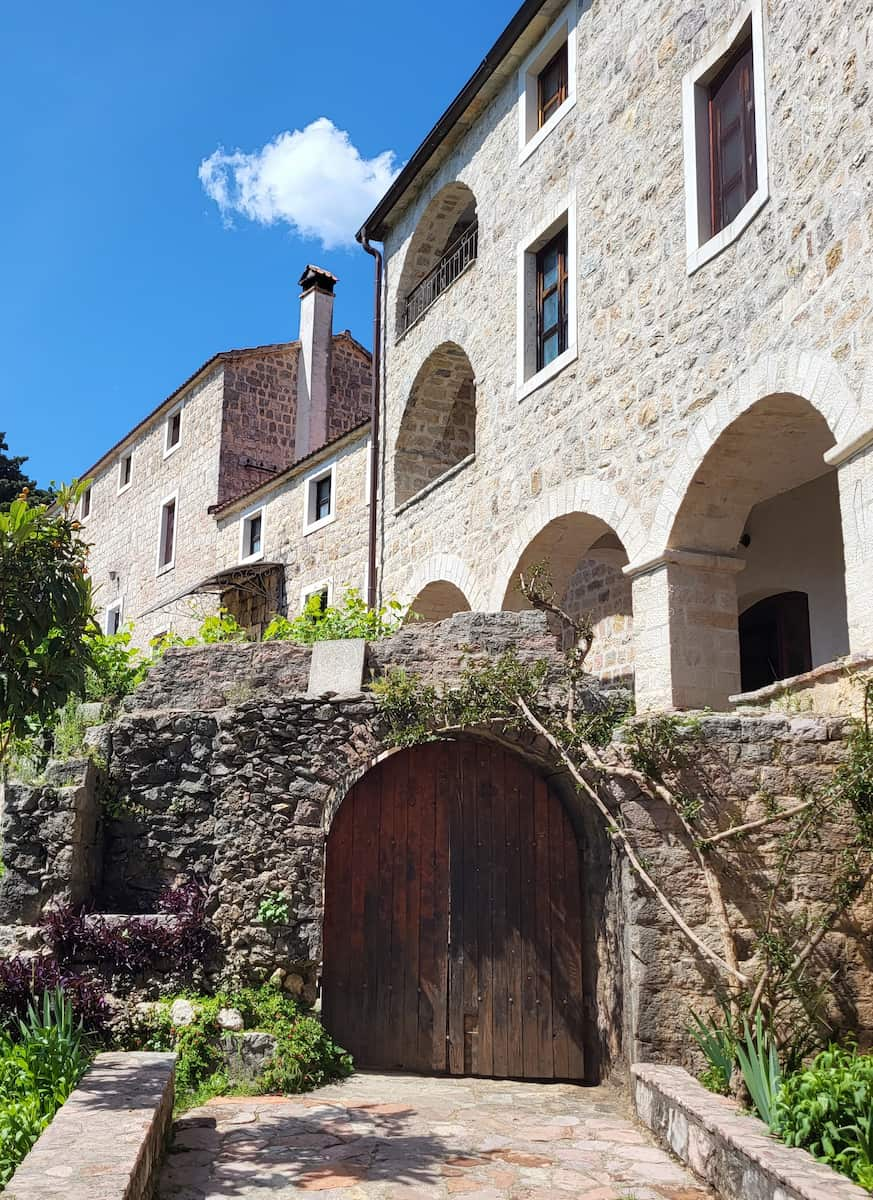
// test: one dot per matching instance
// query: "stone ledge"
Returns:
(732, 1152)
(840, 669)
(106, 1142)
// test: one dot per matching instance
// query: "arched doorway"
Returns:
(453, 923)
(774, 640)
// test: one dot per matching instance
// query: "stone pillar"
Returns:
(686, 638)
(854, 463)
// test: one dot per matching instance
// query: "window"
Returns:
(173, 434)
(113, 618)
(125, 470)
(86, 503)
(319, 498)
(322, 590)
(724, 115)
(552, 300)
(547, 83)
(547, 300)
(252, 536)
(552, 86)
(167, 535)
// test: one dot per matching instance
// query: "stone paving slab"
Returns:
(377, 1137)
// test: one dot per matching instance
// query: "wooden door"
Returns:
(452, 932)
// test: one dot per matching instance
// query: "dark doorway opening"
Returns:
(774, 640)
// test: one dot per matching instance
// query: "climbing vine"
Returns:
(595, 738)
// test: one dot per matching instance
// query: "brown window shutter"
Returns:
(733, 154)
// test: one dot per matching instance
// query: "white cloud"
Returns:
(313, 179)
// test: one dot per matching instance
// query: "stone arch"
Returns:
(571, 531)
(449, 214)
(445, 569)
(438, 426)
(584, 497)
(438, 600)
(810, 376)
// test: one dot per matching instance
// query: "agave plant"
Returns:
(759, 1063)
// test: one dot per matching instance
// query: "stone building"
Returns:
(165, 551)
(627, 329)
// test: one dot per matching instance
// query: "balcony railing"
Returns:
(453, 264)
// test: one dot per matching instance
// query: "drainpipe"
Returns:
(374, 414)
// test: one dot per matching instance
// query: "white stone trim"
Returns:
(563, 30)
(841, 453)
(700, 247)
(123, 487)
(257, 510)
(700, 560)
(449, 473)
(309, 589)
(173, 498)
(168, 449)
(561, 214)
(310, 525)
(115, 606)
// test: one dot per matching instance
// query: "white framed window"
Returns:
(173, 431)
(251, 535)
(85, 505)
(319, 498)
(125, 472)
(547, 83)
(112, 623)
(168, 527)
(724, 124)
(323, 589)
(546, 300)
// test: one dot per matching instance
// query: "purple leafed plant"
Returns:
(132, 946)
(24, 981)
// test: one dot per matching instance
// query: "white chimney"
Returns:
(313, 369)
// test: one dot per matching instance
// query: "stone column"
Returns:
(686, 639)
(854, 463)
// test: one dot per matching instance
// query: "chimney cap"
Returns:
(317, 277)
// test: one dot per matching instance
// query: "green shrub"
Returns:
(718, 1041)
(305, 1057)
(116, 667)
(828, 1110)
(759, 1063)
(41, 1061)
(351, 619)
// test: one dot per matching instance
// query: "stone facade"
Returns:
(221, 765)
(237, 429)
(332, 555)
(687, 401)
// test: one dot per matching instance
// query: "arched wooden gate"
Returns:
(452, 933)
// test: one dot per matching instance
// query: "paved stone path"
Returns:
(376, 1137)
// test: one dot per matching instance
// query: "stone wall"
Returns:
(666, 361)
(221, 765)
(351, 385)
(334, 553)
(258, 421)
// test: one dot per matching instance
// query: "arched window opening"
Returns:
(438, 601)
(444, 245)
(438, 429)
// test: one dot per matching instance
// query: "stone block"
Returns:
(107, 1141)
(337, 666)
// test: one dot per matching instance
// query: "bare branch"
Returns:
(750, 826)
(620, 835)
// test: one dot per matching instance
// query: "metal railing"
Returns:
(453, 264)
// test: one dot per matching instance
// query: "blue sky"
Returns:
(121, 270)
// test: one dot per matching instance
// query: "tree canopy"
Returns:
(46, 609)
(13, 479)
